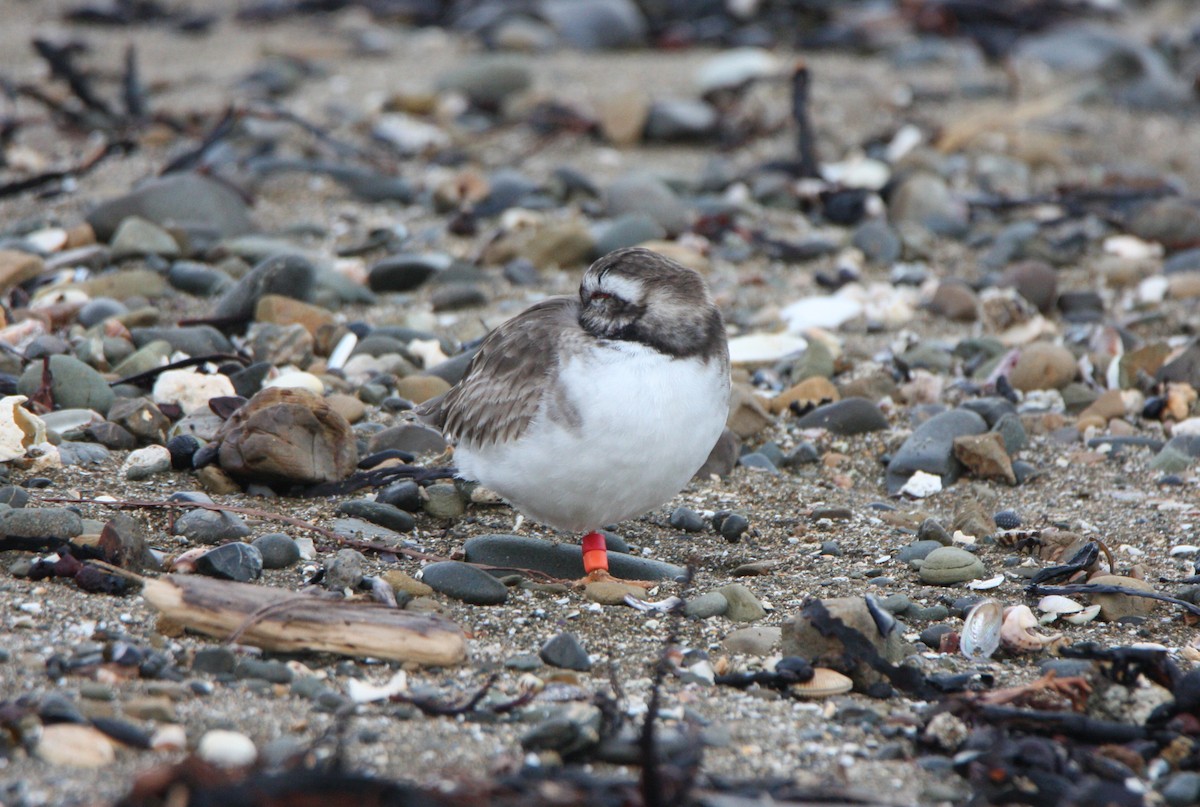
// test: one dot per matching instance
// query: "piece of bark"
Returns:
(284, 621)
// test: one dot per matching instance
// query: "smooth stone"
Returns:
(743, 605)
(210, 526)
(731, 526)
(379, 513)
(409, 437)
(457, 296)
(98, 310)
(182, 448)
(74, 385)
(146, 462)
(141, 417)
(144, 359)
(984, 456)
(14, 496)
(406, 271)
(75, 746)
(226, 749)
(917, 550)
(464, 582)
(276, 672)
(487, 81)
(930, 448)
(235, 561)
(560, 560)
(990, 409)
(1042, 365)
(444, 501)
(214, 660)
(17, 267)
(194, 340)
(1181, 789)
(345, 570)
(595, 24)
(802, 637)
(760, 642)
(286, 275)
(278, 550)
(198, 279)
(41, 523)
(955, 301)
(405, 494)
(1119, 606)
(627, 231)
(924, 198)
(680, 119)
(420, 388)
(76, 453)
(707, 605)
(611, 592)
(565, 652)
(1034, 280)
(878, 242)
(948, 565)
(185, 200)
(846, 417)
(645, 195)
(135, 237)
(1012, 433)
(688, 520)
(405, 584)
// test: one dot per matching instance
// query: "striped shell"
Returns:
(981, 630)
(824, 683)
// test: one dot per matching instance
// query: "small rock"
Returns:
(136, 237)
(949, 565)
(286, 275)
(210, 526)
(710, 604)
(464, 582)
(846, 417)
(146, 462)
(560, 560)
(1120, 606)
(743, 605)
(226, 749)
(611, 592)
(74, 385)
(753, 641)
(345, 571)
(444, 501)
(1043, 366)
(278, 550)
(75, 746)
(565, 651)
(234, 561)
(385, 515)
(214, 660)
(688, 520)
(985, 457)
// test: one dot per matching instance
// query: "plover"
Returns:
(584, 412)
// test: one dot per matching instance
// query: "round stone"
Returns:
(464, 582)
(948, 565)
(277, 549)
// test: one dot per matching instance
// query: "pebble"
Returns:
(743, 606)
(385, 515)
(345, 570)
(688, 520)
(464, 582)
(611, 592)
(644, 195)
(565, 652)
(73, 384)
(918, 550)
(183, 198)
(444, 501)
(948, 565)
(846, 417)
(286, 275)
(930, 448)
(210, 526)
(560, 560)
(731, 526)
(214, 660)
(1043, 366)
(233, 561)
(706, 606)
(405, 495)
(1114, 607)
(278, 550)
(226, 749)
(41, 523)
(75, 746)
(146, 462)
(759, 642)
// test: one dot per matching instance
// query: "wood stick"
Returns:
(284, 621)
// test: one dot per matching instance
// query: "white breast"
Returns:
(646, 423)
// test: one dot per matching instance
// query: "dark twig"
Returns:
(806, 151)
(1101, 588)
(432, 707)
(132, 91)
(60, 58)
(89, 163)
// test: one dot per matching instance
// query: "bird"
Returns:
(586, 411)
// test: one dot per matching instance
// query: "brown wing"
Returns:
(506, 380)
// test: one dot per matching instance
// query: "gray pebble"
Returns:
(565, 651)
(464, 582)
(345, 571)
(385, 515)
(210, 526)
(688, 520)
(234, 561)
(277, 549)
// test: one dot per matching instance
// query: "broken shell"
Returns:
(825, 682)
(662, 606)
(981, 630)
(1083, 616)
(1058, 604)
(20, 429)
(984, 585)
(1016, 632)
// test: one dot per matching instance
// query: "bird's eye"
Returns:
(600, 295)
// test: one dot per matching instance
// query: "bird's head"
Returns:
(641, 296)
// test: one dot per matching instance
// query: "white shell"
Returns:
(345, 346)
(981, 630)
(1016, 633)
(19, 428)
(1084, 616)
(1058, 604)
(984, 585)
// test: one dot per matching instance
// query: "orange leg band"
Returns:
(595, 553)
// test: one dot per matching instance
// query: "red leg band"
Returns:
(595, 553)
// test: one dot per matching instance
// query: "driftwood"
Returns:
(284, 621)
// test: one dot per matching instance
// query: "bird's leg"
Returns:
(595, 556)
(595, 563)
